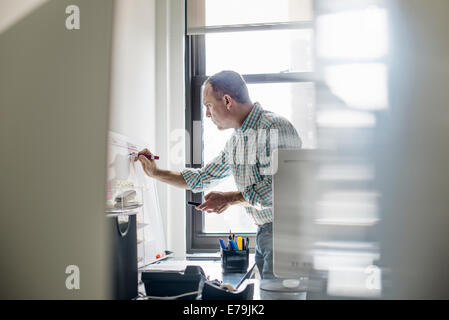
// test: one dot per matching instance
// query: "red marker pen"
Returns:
(146, 156)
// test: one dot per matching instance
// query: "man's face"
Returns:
(216, 109)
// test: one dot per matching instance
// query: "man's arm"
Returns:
(191, 179)
(205, 178)
(171, 177)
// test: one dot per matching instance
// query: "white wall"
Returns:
(133, 87)
(147, 93)
(170, 111)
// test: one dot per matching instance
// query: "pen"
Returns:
(230, 235)
(193, 203)
(222, 244)
(240, 243)
(146, 156)
(233, 245)
(247, 243)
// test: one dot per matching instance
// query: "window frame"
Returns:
(195, 76)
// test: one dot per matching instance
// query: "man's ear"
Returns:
(227, 101)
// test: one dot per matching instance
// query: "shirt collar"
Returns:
(251, 119)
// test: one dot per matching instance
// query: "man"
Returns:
(246, 156)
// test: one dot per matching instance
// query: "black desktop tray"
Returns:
(173, 283)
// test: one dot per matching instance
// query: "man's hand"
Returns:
(149, 166)
(219, 201)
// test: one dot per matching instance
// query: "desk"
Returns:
(211, 267)
(268, 295)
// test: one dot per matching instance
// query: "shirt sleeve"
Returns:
(202, 179)
(259, 195)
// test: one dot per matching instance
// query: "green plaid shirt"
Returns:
(247, 156)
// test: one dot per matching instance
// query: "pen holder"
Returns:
(234, 261)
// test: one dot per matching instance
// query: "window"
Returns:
(275, 56)
(267, 51)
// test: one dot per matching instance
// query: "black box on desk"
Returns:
(174, 283)
(234, 261)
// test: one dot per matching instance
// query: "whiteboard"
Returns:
(124, 172)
